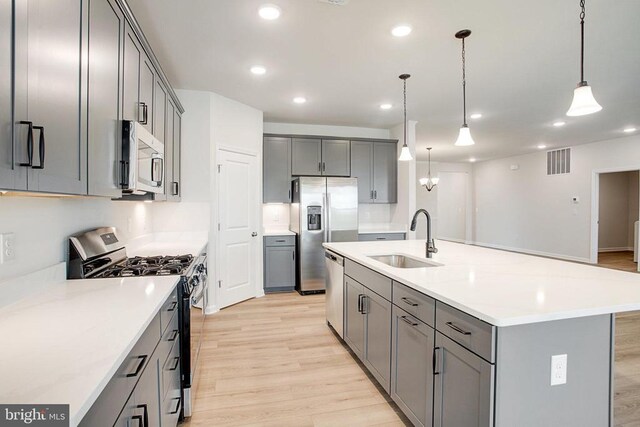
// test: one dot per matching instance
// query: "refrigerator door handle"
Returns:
(328, 222)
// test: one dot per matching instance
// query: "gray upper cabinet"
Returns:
(375, 166)
(160, 111)
(147, 89)
(336, 155)
(464, 386)
(131, 108)
(12, 175)
(48, 94)
(362, 168)
(306, 157)
(106, 23)
(169, 149)
(276, 170)
(411, 367)
(175, 184)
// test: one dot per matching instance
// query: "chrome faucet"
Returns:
(431, 245)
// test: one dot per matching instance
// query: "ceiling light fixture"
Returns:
(541, 146)
(402, 30)
(583, 101)
(476, 116)
(629, 130)
(385, 106)
(405, 153)
(428, 182)
(472, 160)
(559, 124)
(269, 12)
(299, 100)
(464, 137)
(258, 70)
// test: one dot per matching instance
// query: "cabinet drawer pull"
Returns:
(381, 238)
(281, 241)
(41, 147)
(458, 329)
(172, 306)
(174, 335)
(141, 361)
(176, 361)
(145, 415)
(177, 408)
(435, 361)
(409, 301)
(29, 143)
(407, 320)
(138, 419)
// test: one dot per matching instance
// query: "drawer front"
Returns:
(466, 330)
(113, 398)
(171, 405)
(170, 336)
(369, 237)
(369, 278)
(171, 370)
(169, 308)
(413, 302)
(280, 240)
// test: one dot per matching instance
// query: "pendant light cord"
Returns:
(582, 13)
(405, 112)
(464, 86)
(429, 149)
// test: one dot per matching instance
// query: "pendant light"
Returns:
(405, 154)
(583, 101)
(464, 137)
(428, 182)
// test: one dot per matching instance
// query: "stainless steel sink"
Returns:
(403, 261)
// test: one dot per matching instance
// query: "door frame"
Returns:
(256, 212)
(595, 205)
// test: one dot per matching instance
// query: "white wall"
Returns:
(402, 212)
(618, 210)
(42, 226)
(634, 205)
(527, 210)
(325, 130)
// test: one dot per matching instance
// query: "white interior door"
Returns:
(452, 202)
(238, 237)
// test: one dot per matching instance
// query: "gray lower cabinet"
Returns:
(377, 346)
(106, 23)
(48, 100)
(464, 386)
(147, 392)
(276, 170)
(412, 345)
(279, 263)
(12, 176)
(375, 165)
(371, 237)
(353, 316)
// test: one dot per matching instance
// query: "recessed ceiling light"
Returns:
(559, 124)
(299, 100)
(258, 70)
(269, 12)
(630, 130)
(402, 30)
(476, 116)
(473, 159)
(385, 106)
(541, 146)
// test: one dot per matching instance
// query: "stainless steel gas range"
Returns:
(99, 254)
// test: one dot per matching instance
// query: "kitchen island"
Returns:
(485, 337)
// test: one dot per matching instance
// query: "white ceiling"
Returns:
(522, 65)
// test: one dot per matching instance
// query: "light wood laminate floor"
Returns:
(273, 361)
(622, 260)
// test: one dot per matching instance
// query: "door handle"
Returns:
(145, 414)
(360, 303)
(176, 187)
(324, 167)
(177, 408)
(364, 304)
(135, 373)
(41, 147)
(458, 329)
(407, 320)
(29, 143)
(435, 361)
(409, 301)
(254, 234)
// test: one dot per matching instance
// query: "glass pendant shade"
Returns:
(464, 137)
(405, 154)
(583, 101)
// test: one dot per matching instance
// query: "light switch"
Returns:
(558, 369)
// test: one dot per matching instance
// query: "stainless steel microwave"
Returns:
(142, 165)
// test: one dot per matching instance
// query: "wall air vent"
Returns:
(559, 161)
(336, 2)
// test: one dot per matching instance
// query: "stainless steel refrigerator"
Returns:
(323, 210)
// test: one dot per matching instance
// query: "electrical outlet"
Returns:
(558, 369)
(7, 246)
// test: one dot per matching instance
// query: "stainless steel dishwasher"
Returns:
(334, 266)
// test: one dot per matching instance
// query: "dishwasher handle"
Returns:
(334, 257)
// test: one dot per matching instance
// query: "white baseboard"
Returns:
(211, 309)
(620, 249)
(532, 252)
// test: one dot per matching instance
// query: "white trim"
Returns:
(620, 249)
(531, 252)
(448, 239)
(237, 150)
(211, 309)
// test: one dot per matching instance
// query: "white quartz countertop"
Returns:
(64, 344)
(504, 288)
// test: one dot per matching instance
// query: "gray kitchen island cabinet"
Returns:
(48, 108)
(279, 263)
(320, 157)
(353, 317)
(276, 170)
(375, 165)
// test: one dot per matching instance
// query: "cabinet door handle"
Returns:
(138, 419)
(172, 306)
(458, 329)
(407, 320)
(364, 304)
(324, 167)
(375, 194)
(293, 253)
(176, 361)
(145, 414)
(289, 196)
(319, 166)
(145, 113)
(141, 360)
(360, 303)
(174, 335)
(176, 187)
(435, 361)
(371, 194)
(177, 408)
(41, 147)
(411, 302)
(29, 143)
